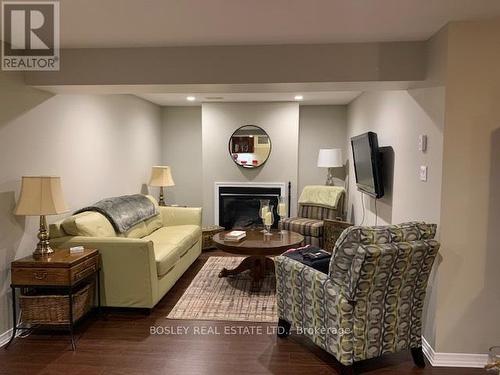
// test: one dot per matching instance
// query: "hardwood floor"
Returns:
(121, 343)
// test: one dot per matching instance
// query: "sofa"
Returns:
(316, 204)
(140, 266)
(370, 303)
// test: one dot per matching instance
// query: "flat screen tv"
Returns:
(367, 164)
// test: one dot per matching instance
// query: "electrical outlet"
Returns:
(423, 173)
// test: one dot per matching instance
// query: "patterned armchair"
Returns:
(371, 301)
(316, 204)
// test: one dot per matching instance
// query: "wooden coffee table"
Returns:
(258, 248)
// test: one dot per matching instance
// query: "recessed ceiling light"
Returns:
(191, 98)
(299, 97)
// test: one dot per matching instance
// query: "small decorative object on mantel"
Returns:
(494, 360)
(330, 158)
(41, 196)
(161, 176)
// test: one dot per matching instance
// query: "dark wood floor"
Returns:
(122, 344)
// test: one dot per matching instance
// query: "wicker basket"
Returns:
(52, 308)
(208, 233)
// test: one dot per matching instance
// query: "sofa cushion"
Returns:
(88, 224)
(56, 230)
(171, 243)
(139, 230)
(153, 224)
(304, 226)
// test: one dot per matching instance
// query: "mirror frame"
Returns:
(249, 166)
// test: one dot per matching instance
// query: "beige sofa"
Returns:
(138, 267)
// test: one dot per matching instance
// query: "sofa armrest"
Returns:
(180, 216)
(128, 271)
(308, 300)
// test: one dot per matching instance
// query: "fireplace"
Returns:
(237, 206)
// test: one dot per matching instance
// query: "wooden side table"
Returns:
(207, 234)
(62, 272)
(332, 229)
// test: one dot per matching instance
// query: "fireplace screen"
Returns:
(239, 206)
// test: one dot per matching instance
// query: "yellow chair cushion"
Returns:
(88, 224)
(171, 243)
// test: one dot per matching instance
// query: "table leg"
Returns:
(259, 266)
(70, 298)
(14, 318)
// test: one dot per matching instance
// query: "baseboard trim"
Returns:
(453, 359)
(5, 337)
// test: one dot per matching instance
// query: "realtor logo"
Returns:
(30, 35)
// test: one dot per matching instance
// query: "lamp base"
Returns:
(161, 200)
(43, 247)
(330, 177)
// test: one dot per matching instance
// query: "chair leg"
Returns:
(418, 357)
(283, 328)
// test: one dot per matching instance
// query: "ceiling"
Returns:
(133, 23)
(309, 98)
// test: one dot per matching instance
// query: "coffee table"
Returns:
(259, 248)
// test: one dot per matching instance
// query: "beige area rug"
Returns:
(231, 298)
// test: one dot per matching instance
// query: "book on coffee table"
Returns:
(235, 235)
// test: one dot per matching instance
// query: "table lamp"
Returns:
(330, 158)
(161, 176)
(41, 196)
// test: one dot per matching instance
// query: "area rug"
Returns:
(232, 298)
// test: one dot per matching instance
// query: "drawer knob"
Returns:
(40, 275)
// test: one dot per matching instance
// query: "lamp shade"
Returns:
(161, 176)
(330, 158)
(41, 195)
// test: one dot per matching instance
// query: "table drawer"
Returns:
(84, 269)
(40, 276)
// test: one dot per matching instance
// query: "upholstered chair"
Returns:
(370, 303)
(316, 203)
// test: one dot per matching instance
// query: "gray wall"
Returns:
(182, 151)
(320, 126)
(220, 120)
(468, 304)
(398, 118)
(100, 145)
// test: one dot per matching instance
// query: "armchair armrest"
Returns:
(128, 272)
(308, 300)
(180, 216)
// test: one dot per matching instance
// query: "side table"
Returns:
(332, 229)
(207, 234)
(58, 281)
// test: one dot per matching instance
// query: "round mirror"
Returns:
(250, 146)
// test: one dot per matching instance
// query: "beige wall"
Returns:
(320, 126)
(468, 301)
(182, 151)
(101, 146)
(220, 120)
(398, 118)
